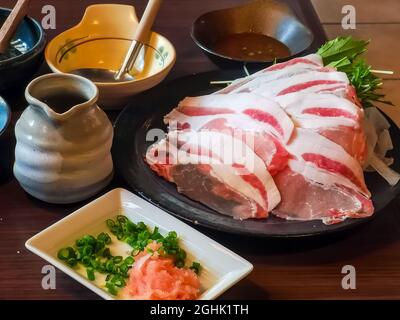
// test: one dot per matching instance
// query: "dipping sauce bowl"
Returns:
(267, 26)
(100, 41)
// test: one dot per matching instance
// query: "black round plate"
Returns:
(147, 112)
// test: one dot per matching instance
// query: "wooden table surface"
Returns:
(283, 269)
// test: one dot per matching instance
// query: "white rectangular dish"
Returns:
(221, 267)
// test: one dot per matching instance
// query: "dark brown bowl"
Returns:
(265, 17)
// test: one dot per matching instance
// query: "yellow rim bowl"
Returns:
(101, 40)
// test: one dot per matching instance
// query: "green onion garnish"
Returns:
(72, 262)
(94, 253)
(111, 288)
(90, 274)
(129, 261)
(66, 253)
(117, 259)
(196, 267)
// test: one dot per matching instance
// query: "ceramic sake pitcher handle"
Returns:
(11, 24)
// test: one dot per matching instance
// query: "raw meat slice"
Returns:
(336, 118)
(289, 139)
(178, 120)
(262, 110)
(307, 62)
(217, 170)
(314, 148)
(351, 140)
(309, 82)
(310, 194)
(280, 71)
(245, 164)
(252, 132)
(321, 106)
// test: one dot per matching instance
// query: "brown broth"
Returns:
(250, 46)
(61, 103)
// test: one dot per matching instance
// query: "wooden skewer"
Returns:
(11, 24)
(382, 71)
(220, 82)
(246, 71)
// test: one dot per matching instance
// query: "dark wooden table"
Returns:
(284, 269)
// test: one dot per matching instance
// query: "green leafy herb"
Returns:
(343, 53)
(365, 82)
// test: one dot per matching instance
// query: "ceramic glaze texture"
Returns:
(63, 157)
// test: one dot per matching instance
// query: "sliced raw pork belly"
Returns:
(264, 111)
(280, 71)
(336, 118)
(309, 82)
(313, 194)
(351, 140)
(327, 109)
(288, 140)
(217, 170)
(326, 155)
(264, 144)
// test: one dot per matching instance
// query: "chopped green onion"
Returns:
(110, 223)
(196, 267)
(94, 264)
(123, 269)
(106, 253)
(89, 240)
(87, 250)
(72, 262)
(104, 237)
(90, 274)
(86, 261)
(80, 243)
(122, 219)
(94, 253)
(111, 288)
(135, 252)
(109, 265)
(117, 259)
(129, 261)
(120, 283)
(66, 253)
(78, 255)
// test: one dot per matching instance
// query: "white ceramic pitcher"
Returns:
(63, 152)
